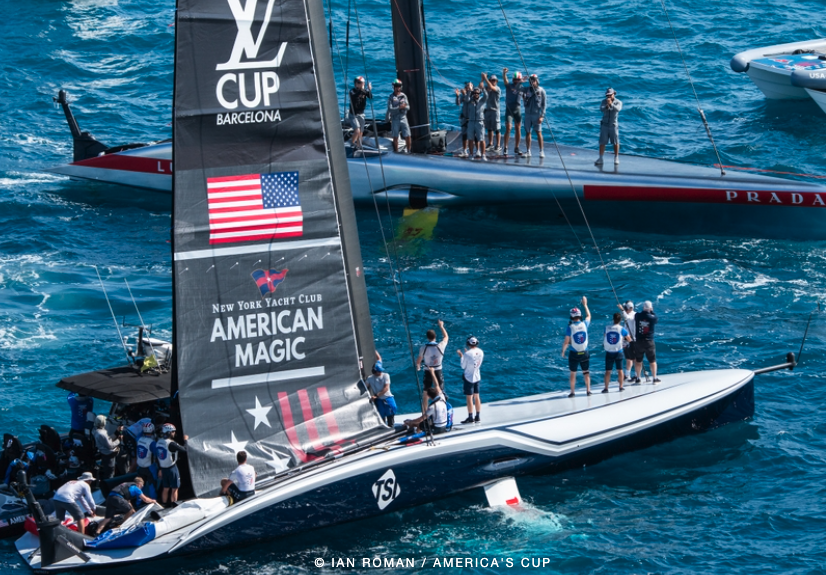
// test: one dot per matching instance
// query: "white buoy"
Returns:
(503, 493)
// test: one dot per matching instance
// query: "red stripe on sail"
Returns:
(307, 412)
(327, 408)
(218, 179)
(259, 217)
(289, 426)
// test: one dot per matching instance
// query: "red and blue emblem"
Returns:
(268, 280)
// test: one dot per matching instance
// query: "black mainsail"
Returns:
(272, 326)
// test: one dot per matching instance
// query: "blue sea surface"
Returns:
(748, 498)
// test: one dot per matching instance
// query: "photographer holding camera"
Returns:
(609, 127)
(107, 446)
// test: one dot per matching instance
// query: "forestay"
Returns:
(271, 316)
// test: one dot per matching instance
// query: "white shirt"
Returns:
(432, 353)
(437, 412)
(76, 492)
(243, 477)
(630, 323)
(377, 382)
(471, 362)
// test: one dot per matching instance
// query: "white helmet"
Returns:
(148, 428)
(167, 429)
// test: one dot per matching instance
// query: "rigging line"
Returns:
(338, 52)
(346, 56)
(696, 97)
(806, 332)
(117, 327)
(553, 139)
(434, 112)
(567, 174)
(129, 289)
(398, 286)
(425, 52)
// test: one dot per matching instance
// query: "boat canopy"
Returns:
(123, 384)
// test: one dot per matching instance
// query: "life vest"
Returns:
(613, 338)
(122, 490)
(433, 355)
(579, 336)
(166, 458)
(144, 451)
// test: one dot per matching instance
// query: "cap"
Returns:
(471, 341)
(493, 78)
(628, 305)
(610, 92)
(575, 312)
(86, 476)
(397, 82)
(648, 305)
(378, 367)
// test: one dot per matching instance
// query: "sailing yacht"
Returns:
(678, 198)
(272, 333)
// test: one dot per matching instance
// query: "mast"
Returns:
(410, 67)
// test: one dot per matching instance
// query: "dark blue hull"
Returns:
(417, 483)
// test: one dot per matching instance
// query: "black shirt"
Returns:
(358, 100)
(646, 320)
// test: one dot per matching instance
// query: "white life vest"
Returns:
(432, 355)
(613, 338)
(166, 458)
(144, 451)
(579, 336)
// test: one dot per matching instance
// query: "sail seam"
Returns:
(258, 248)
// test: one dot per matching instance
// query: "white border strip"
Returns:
(267, 377)
(257, 249)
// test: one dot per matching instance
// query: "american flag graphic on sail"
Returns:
(254, 207)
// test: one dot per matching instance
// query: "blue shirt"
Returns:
(80, 406)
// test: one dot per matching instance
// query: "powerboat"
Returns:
(779, 70)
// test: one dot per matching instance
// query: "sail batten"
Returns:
(271, 317)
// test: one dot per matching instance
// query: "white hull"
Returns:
(775, 83)
(531, 434)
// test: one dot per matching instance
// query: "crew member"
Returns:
(576, 335)
(493, 119)
(627, 310)
(613, 339)
(472, 378)
(358, 102)
(513, 109)
(145, 453)
(476, 121)
(462, 98)
(432, 353)
(241, 482)
(609, 126)
(646, 320)
(107, 446)
(17, 464)
(75, 497)
(80, 406)
(166, 451)
(435, 416)
(131, 434)
(533, 96)
(378, 384)
(397, 108)
(122, 501)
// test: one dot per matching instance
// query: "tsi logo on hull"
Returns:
(385, 490)
(262, 85)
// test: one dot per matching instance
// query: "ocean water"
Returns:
(747, 498)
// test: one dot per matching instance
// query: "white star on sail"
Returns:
(260, 414)
(276, 462)
(236, 445)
